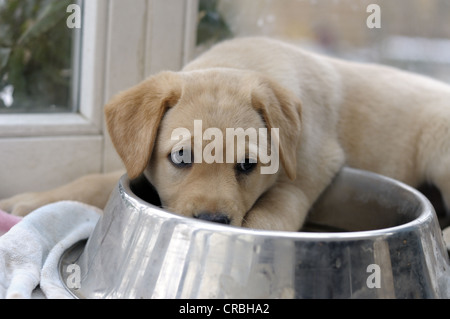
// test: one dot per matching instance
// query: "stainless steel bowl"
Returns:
(368, 236)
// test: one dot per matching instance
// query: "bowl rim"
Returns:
(426, 215)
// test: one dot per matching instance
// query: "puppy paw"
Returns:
(23, 204)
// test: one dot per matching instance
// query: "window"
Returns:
(121, 43)
(38, 55)
(412, 34)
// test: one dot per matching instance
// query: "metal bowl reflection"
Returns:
(367, 236)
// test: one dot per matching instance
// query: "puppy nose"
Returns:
(214, 217)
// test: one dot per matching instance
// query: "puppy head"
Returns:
(175, 128)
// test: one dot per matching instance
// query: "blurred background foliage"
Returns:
(211, 26)
(35, 56)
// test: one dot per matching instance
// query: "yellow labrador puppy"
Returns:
(302, 116)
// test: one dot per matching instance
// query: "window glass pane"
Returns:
(38, 52)
(412, 34)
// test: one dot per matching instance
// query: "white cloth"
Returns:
(30, 251)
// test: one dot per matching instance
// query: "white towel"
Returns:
(30, 251)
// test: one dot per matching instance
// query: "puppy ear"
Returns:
(281, 109)
(133, 117)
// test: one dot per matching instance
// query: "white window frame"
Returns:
(123, 42)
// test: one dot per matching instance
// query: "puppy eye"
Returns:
(180, 158)
(247, 166)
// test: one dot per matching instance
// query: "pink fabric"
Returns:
(7, 221)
